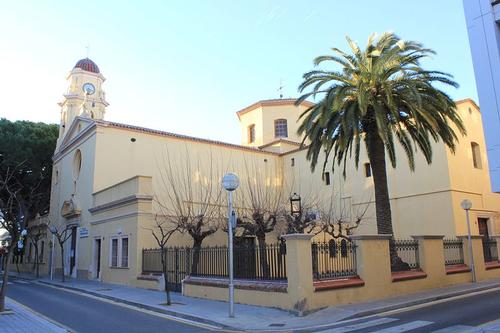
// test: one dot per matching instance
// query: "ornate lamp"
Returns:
(295, 204)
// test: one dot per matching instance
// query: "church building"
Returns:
(112, 182)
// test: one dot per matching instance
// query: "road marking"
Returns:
(453, 329)
(444, 300)
(21, 282)
(406, 327)
(366, 324)
(150, 312)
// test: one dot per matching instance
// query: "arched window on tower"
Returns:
(251, 133)
(280, 128)
(476, 155)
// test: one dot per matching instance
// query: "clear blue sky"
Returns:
(187, 66)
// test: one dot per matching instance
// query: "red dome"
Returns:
(87, 65)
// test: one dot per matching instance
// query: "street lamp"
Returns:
(467, 205)
(230, 182)
(295, 204)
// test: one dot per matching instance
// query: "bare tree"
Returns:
(13, 220)
(305, 220)
(191, 196)
(36, 231)
(162, 231)
(338, 218)
(62, 233)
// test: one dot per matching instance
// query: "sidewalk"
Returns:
(23, 320)
(255, 318)
(493, 327)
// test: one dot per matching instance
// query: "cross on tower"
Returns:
(87, 48)
(280, 89)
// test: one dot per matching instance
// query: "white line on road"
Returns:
(453, 329)
(366, 324)
(406, 327)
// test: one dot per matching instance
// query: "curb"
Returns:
(145, 307)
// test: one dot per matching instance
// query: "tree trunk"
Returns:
(165, 276)
(376, 154)
(36, 261)
(196, 255)
(5, 280)
(62, 262)
(264, 265)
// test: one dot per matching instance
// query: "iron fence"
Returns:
(333, 259)
(407, 251)
(250, 262)
(453, 252)
(490, 250)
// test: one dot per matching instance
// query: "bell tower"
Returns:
(84, 96)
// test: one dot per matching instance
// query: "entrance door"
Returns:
(482, 224)
(72, 252)
(97, 258)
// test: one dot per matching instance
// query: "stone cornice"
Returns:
(120, 202)
(371, 237)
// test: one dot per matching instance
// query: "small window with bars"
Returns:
(326, 177)
(280, 128)
(251, 133)
(368, 170)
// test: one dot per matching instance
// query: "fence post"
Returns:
(373, 262)
(431, 257)
(299, 271)
(477, 253)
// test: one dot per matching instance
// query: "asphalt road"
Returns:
(84, 314)
(452, 316)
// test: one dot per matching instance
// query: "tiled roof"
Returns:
(179, 136)
(87, 65)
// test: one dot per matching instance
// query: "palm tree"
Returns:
(379, 94)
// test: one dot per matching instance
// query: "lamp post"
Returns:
(295, 204)
(467, 205)
(230, 182)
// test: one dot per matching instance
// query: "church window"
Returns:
(280, 128)
(326, 177)
(77, 164)
(476, 155)
(368, 170)
(251, 133)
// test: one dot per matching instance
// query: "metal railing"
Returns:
(453, 252)
(490, 250)
(407, 251)
(266, 262)
(250, 262)
(333, 259)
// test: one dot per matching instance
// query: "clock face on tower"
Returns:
(88, 88)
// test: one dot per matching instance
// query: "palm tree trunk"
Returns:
(376, 153)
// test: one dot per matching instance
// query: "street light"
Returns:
(295, 204)
(467, 205)
(230, 182)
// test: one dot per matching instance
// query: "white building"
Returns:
(483, 24)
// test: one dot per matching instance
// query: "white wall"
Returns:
(483, 25)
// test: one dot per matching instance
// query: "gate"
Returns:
(178, 264)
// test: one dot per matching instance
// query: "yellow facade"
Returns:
(109, 181)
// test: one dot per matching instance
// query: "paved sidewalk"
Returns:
(256, 318)
(23, 320)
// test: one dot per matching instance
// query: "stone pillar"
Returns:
(373, 261)
(431, 257)
(477, 254)
(299, 271)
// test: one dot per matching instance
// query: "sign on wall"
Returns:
(84, 232)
